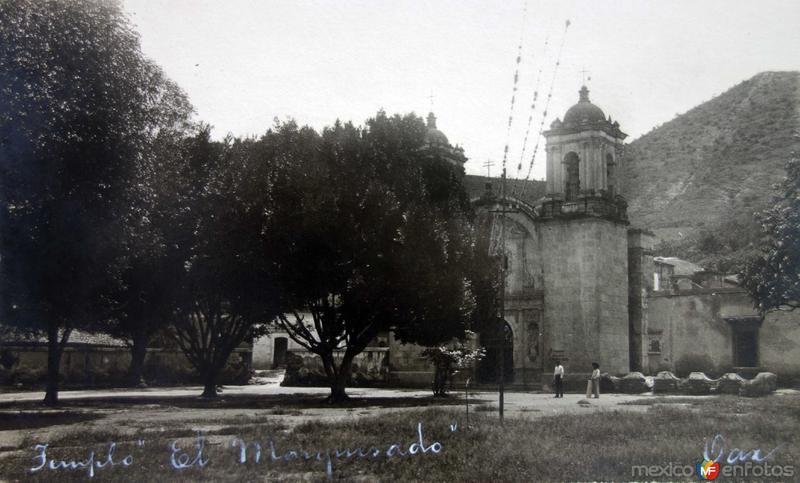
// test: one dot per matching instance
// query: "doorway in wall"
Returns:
(279, 352)
(745, 347)
(488, 368)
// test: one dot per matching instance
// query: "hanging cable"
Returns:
(546, 107)
(514, 90)
(533, 104)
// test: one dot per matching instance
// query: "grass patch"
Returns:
(600, 445)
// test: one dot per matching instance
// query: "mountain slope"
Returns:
(696, 180)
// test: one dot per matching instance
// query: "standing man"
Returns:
(558, 379)
(595, 380)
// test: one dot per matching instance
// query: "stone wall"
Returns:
(779, 345)
(407, 366)
(264, 349)
(691, 333)
(108, 366)
(640, 284)
(585, 271)
(370, 368)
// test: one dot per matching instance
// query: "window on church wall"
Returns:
(654, 347)
(610, 181)
(573, 181)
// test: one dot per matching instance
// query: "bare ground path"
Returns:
(128, 411)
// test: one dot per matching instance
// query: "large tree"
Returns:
(218, 271)
(773, 277)
(78, 105)
(153, 252)
(371, 233)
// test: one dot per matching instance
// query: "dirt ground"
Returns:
(130, 410)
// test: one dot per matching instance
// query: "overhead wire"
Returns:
(544, 112)
(515, 86)
(533, 102)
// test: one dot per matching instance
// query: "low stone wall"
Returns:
(370, 368)
(89, 365)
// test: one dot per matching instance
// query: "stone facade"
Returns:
(586, 292)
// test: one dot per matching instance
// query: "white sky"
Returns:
(245, 62)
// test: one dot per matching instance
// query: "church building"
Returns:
(567, 281)
(582, 284)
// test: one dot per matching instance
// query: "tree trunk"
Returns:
(338, 379)
(209, 383)
(440, 374)
(138, 353)
(53, 365)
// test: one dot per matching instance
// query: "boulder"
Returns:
(609, 383)
(666, 382)
(698, 383)
(634, 383)
(730, 383)
(762, 385)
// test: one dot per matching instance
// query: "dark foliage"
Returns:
(373, 234)
(79, 104)
(773, 277)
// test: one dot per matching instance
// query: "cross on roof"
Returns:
(488, 165)
(583, 73)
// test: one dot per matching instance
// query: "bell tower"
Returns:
(583, 155)
(582, 227)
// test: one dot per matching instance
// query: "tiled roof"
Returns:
(10, 335)
(682, 267)
(476, 186)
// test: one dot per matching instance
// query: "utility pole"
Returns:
(501, 319)
(503, 268)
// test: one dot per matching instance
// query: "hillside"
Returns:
(697, 180)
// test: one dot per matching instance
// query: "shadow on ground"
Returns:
(40, 419)
(281, 401)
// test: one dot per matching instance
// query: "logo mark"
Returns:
(707, 470)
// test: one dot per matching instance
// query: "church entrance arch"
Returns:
(489, 367)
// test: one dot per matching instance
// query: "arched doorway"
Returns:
(489, 367)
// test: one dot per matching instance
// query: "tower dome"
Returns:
(584, 110)
(434, 136)
(437, 144)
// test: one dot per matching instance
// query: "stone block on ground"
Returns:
(609, 383)
(730, 383)
(666, 382)
(698, 384)
(762, 385)
(634, 383)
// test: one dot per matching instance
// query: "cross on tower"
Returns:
(583, 73)
(488, 165)
(431, 99)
